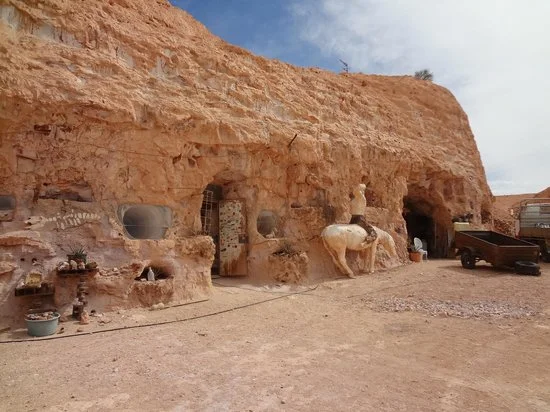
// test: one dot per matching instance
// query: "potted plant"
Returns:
(42, 324)
(414, 254)
(91, 265)
(78, 254)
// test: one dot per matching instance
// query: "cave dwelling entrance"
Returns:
(225, 221)
(423, 222)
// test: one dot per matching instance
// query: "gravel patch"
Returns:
(479, 309)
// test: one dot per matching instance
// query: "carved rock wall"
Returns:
(111, 103)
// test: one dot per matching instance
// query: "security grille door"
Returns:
(233, 239)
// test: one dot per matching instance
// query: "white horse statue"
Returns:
(339, 237)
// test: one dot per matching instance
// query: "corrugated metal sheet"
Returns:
(534, 220)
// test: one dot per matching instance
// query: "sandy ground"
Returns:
(427, 337)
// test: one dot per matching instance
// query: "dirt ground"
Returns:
(424, 337)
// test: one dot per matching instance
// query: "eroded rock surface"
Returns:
(105, 104)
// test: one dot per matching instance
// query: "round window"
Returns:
(146, 221)
(266, 223)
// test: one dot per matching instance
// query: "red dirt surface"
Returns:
(424, 337)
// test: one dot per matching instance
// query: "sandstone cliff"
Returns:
(110, 103)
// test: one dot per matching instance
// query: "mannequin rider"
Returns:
(358, 209)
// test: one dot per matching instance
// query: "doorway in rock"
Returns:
(418, 216)
(420, 226)
(210, 220)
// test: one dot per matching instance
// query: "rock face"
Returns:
(116, 116)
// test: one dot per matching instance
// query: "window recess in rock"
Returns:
(78, 192)
(266, 224)
(145, 221)
(7, 207)
(159, 272)
(7, 202)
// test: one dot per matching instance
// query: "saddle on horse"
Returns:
(361, 221)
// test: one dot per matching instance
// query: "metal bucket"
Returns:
(42, 327)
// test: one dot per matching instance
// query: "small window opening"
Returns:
(146, 221)
(266, 223)
(7, 207)
(7, 202)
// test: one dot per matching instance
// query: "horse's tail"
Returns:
(387, 242)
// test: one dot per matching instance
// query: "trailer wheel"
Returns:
(527, 268)
(468, 260)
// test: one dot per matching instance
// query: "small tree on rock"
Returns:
(424, 75)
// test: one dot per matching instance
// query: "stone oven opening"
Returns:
(145, 221)
(423, 222)
(210, 221)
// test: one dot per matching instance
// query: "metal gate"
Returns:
(233, 238)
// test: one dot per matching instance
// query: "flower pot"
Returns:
(77, 258)
(42, 327)
(415, 256)
(91, 265)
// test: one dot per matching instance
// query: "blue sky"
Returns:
(267, 28)
(493, 55)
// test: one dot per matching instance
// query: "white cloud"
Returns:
(494, 55)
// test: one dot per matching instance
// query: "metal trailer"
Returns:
(498, 249)
(534, 224)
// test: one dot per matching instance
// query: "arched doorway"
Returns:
(424, 222)
(420, 225)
